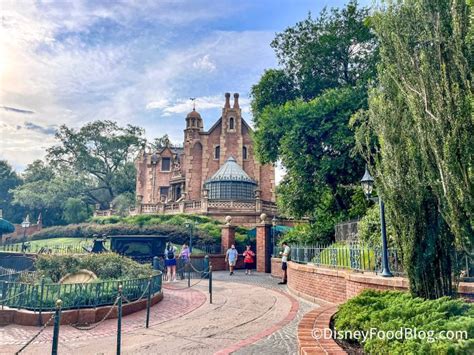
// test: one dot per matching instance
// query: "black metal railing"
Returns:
(82, 247)
(42, 296)
(353, 256)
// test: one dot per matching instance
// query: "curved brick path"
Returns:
(249, 315)
(175, 304)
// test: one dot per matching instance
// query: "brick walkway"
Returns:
(283, 340)
(242, 320)
(175, 304)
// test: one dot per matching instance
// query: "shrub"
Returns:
(393, 310)
(106, 266)
(343, 257)
(303, 234)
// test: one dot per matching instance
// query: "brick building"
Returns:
(214, 173)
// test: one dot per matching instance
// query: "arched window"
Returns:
(217, 152)
(193, 122)
(244, 152)
(231, 123)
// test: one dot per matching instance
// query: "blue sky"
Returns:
(134, 62)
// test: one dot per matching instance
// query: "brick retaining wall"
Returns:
(74, 316)
(218, 262)
(313, 325)
(276, 268)
(336, 286)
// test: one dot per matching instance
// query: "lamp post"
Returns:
(25, 224)
(191, 225)
(367, 183)
(274, 222)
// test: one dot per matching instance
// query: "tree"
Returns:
(302, 114)
(420, 114)
(336, 49)
(8, 181)
(75, 210)
(38, 171)
(103, 153)
(161, 142)
(47, 196)
(314, 144)
(123, 202)
(274, 88)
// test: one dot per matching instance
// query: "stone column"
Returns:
(258, 201)
(263, 245)
(227, 234)
(204, 201)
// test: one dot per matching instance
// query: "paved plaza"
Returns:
(249, 315)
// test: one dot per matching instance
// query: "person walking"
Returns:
(284, 262)
(248, 259)
(185, 257)
(231, 257)
(170, 261)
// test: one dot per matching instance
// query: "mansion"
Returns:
(214, 173)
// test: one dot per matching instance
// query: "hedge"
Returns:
(177, 234)
(107, 266)
(206, 232)
(394, 310)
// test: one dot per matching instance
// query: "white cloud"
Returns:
(204, 64)
(159, 103)
(48, 66)
(184, 105)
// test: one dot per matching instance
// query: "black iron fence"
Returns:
(208, 249)
(360, 257)
(11, 275)
(195, 268)
(42, 296)
(351, 256)
(81, 247)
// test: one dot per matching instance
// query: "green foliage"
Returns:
(304, 234)
(206, 231)
(75, 210)
(102, 153)
(314, 145)
(8, 181)
(38, 171)
(274, 88)
(336, 49)
(392, 310)
(420, 117)
(343, 258)
(369, 231)
(302, 113)
(122, 203)
(106, 266)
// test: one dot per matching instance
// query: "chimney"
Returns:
(227, 100)
(236, 100)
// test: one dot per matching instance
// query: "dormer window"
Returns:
(217, 152)
(165, 164)
(231, 123)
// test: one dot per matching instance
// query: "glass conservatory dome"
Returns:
(231, 182)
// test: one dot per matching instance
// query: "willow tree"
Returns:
(421, 117)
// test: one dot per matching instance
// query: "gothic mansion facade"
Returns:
(214, 173)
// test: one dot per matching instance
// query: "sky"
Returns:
(134, 62)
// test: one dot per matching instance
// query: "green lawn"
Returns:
(64, 243)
